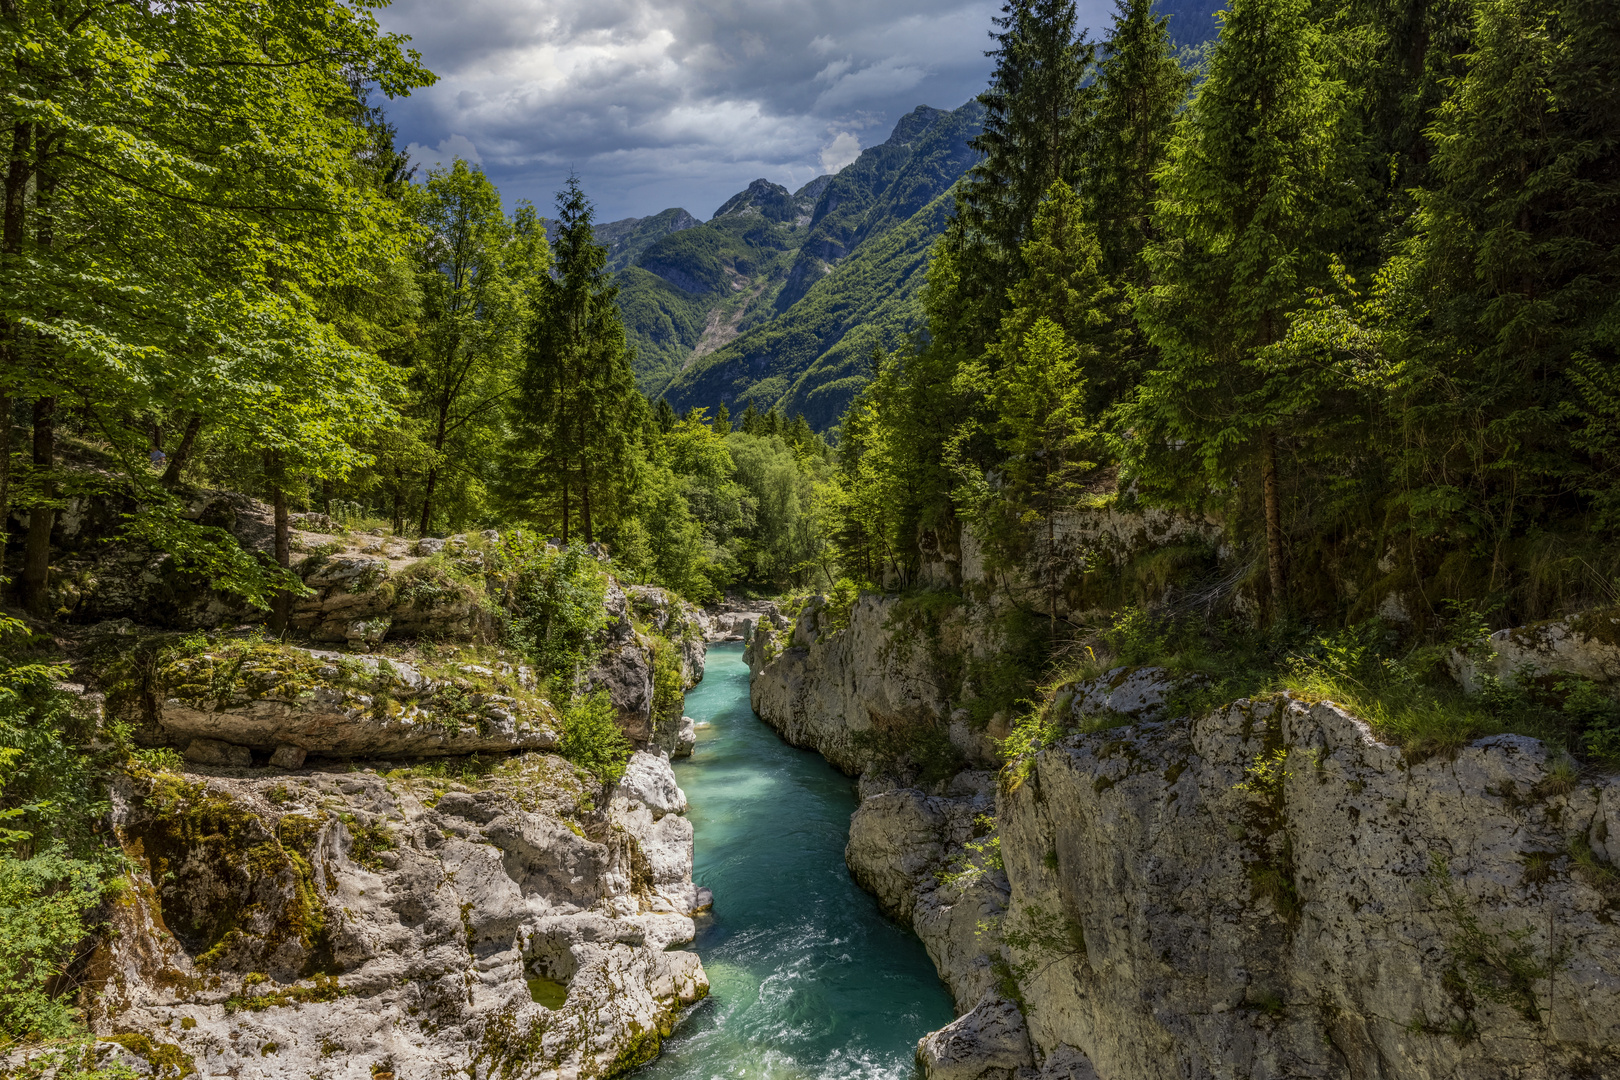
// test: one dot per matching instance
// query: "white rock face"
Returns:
(649, 780)
(1363, 919)
(341, 707)
(1587, 645)
(828, 688)
(1140, 693)
(341, 924)
(988, 1043)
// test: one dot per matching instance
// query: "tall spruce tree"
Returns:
(578, 410)
(1141, 86)
(1252, 200)
(1519, 248)
(1036, 128)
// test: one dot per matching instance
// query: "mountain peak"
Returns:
(913, 124)
(761, 197)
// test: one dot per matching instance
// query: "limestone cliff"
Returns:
(1262, 890)
(353, 852)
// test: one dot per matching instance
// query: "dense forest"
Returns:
(1344, 287)
(1344, 281)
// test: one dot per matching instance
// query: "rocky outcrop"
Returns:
(262, 696)
(353, 924)
(989, 1042)
(682, 624)
(734, 620)
(825, 690)
(1264, 891)
(1268, 890)
(908, 849)
(1586, 646)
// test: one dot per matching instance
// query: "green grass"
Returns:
(1397, 684)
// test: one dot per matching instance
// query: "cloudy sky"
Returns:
(660, 103)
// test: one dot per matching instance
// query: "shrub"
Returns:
(53, 871)
(556, 605)
(592, 740)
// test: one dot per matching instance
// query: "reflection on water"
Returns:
(808, 980)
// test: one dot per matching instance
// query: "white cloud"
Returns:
(456, 146)
(844, 149)
(662, 103)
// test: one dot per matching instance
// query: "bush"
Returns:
(592, 740)
(557, 606)
(53, 869)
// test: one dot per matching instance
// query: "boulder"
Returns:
(685, 738)
(988, 1043)
(214, 752)
(287, 756)
(1586, 645)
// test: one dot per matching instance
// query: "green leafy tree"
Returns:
(179, 182)
(479, 274)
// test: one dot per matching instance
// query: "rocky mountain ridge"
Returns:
(712, 303)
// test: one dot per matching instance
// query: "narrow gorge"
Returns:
(1261, 888)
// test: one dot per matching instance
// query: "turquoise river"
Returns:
(809, 981)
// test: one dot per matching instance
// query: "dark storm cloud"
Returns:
(679, 103)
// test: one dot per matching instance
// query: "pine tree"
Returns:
(1252, 201)
(1037, 115)
(1140, 89)
(578, 408)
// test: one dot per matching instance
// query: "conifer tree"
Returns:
(1141, 87)
(578, 407)
(1251, 203)
(1037, 116)
(1032, 430)
(1520, 262)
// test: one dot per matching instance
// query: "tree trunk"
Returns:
(13, 226)
(399, 501)
(565, 505)
(585, 498)
(326, 497)
(281, 606)
(427, 501)
(5, 472)
(1273, 513)
(177, 461)
(41, 517)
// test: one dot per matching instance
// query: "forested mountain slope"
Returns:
(852, 282)
(749, 275)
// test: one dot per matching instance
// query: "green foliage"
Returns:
(805, 348)
(558, 599)
(918, 747)
(840, 602)
(979, 856)
(53, 869)
(592, 740)
(669, 689)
